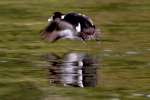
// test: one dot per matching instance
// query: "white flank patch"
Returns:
(63, 16)
(78, 28)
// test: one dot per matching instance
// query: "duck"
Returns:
(74, 26)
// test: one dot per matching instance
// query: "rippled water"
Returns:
(115, 79)
(72, 69)
(117, 68)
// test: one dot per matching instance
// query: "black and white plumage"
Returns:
(57, 29)
(79, 21)
(71, 26)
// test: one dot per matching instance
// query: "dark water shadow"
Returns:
(72, 69)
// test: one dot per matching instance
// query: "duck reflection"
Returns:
(72, 69)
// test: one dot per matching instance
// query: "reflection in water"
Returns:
(72, 69)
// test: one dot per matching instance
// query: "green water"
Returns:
(123, 52)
